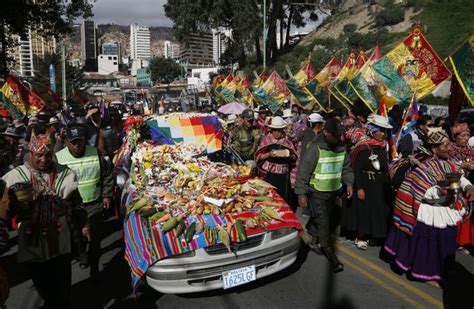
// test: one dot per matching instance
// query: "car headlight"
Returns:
(184, 255)
(282, 232)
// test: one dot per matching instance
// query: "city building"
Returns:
(197, 51)
(108, 64)
(143, 77)
(89, 48)
(112, 48)
(219, 44)
(137, 64)
(200, 79)
(139, 42)
(171, 50)
(30, 50)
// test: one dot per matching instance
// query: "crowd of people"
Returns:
(57, 179)
(342, 170)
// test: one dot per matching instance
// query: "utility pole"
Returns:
(63, 65)
(264, 34)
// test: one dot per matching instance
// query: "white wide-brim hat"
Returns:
(379, 121)
(276, 123)
(287, 113)
(315, 117)
(231, 119)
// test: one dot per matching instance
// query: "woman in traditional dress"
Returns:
(369, 212)
(276, 156)
(423, 238)
(463, 156)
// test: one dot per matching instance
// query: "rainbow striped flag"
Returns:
(412, 66)
(189, 128)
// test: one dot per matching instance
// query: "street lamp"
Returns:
(264, 34)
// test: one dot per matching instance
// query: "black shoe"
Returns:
(336, 266)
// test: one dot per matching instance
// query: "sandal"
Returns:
(361, 244)
(433, 283)
(463, 250)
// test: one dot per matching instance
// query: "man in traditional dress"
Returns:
(50, 220)
(324, 166)
(95, 186)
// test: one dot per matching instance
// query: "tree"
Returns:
(162, 69)
(41, 81)
(47, 18)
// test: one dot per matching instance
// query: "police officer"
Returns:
(324, 166)
(95, 186)
(246, 139)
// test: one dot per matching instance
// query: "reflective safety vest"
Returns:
(328, 172)
(87, 169)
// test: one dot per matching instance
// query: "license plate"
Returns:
(239, 276)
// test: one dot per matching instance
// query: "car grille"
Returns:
(251, 242)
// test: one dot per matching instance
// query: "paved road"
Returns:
(367, 282)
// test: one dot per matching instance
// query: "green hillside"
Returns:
(447, 24)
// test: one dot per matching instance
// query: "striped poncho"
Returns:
(412, 191)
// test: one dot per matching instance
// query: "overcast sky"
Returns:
(126, 12)
(142, 12)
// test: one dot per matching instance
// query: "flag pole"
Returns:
(407, 111)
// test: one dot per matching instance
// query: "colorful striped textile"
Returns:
(187, 128)
(145, 244)
(411, 67)
(412, 190)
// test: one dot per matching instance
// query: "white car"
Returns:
(207, 268)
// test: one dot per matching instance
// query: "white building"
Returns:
(199, 78)
(219, 44)
(108, 64)
(171, 50)
(136, 64)
(139, 42)
(30, 51)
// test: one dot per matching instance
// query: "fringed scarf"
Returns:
(413, 189)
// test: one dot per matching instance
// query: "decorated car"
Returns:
(193, 224)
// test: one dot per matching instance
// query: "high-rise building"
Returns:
(219, 44)
(197, 50)
(171, 50)
(30, 50)
(89, 45)
(139, 42)
(112, 48)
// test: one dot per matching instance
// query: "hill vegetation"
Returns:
(446, 25)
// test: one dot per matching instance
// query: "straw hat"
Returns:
(276, 123)
(379, 121)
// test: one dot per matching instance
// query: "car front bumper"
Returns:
(203, 272)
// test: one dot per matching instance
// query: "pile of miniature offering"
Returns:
(178, 189)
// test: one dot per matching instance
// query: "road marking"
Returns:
(389, 275)
(381, 283)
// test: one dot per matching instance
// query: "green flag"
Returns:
(463, 65)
